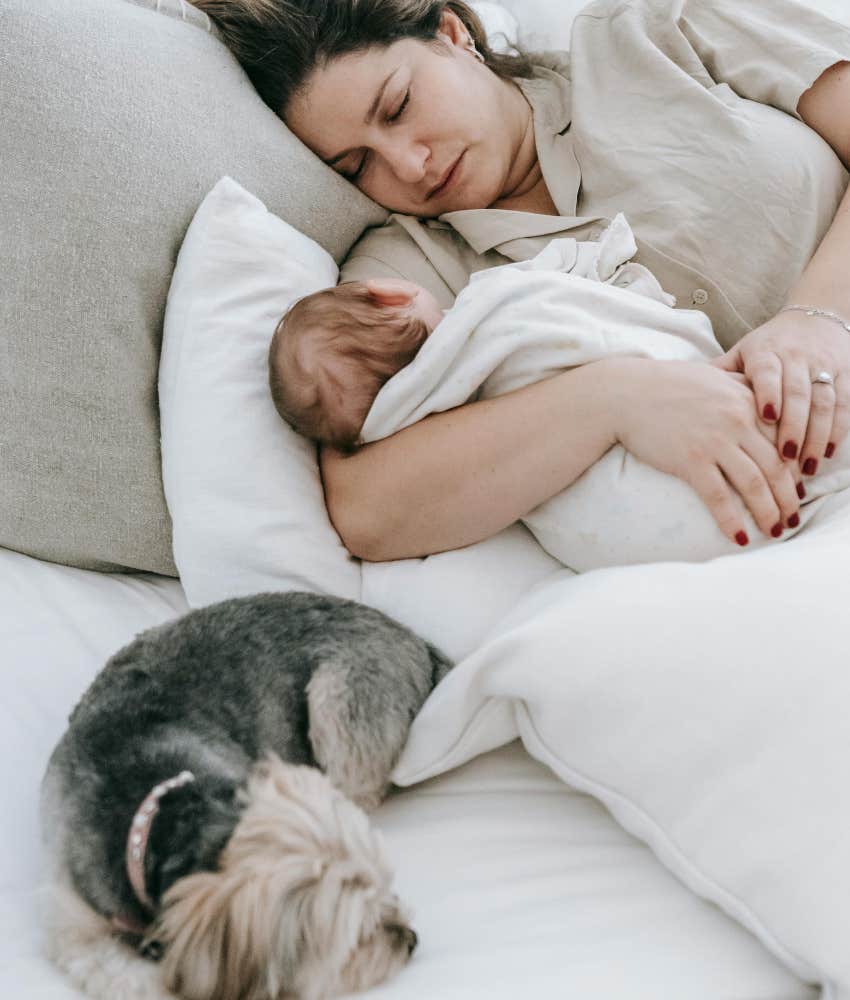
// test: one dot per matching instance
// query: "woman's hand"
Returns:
(697, 423)
(780, 358)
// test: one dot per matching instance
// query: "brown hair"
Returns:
(369, 343)
(281, 42)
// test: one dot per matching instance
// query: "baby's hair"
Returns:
(364, 340)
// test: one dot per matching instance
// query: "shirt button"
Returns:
(700, 297)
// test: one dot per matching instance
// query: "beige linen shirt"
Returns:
(681, 114)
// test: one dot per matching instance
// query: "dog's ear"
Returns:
(193, 928)
(191, 829)
(223, 935)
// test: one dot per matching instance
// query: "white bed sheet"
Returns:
(520, 886)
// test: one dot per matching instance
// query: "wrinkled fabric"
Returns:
(681, 114)
(575, 303)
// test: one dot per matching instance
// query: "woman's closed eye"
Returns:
(390, 120)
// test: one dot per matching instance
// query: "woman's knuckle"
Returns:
(742, 418)
(777, 469)
(785, 494)
(764, 366)
(754, 484)
(795, 393)
(694, 456)
(778, 484)
(842, 411)
(821, 405)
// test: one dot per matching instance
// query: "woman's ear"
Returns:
(390, 291)
(453, 30)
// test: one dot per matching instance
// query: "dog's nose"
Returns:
(406, 936)
(411, 938)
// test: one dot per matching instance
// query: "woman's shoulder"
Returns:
(431, 252)
(391, 251)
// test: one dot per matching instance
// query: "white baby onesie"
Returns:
(574, 303)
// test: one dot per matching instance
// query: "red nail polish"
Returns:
(801, 490)
(793, 520)
(810, 466)
(790, 449)
(741, 538)
(769, 412)
(777, 530)
(830, 450)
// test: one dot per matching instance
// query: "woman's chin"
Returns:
(468, 197)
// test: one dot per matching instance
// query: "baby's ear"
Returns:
(390, 291)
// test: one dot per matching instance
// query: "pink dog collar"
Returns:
(137, 839)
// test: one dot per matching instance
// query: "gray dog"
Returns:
(189, 820)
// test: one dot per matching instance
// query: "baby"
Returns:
(333, 350)
(359, 362)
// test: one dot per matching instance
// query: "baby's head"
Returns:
(332, 352)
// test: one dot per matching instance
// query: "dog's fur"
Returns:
(266, 878)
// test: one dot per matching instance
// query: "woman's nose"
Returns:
(409, 161)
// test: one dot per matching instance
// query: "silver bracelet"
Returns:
(813, 311)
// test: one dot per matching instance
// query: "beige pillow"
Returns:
(118, 117)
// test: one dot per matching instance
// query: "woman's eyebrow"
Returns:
(370, 114)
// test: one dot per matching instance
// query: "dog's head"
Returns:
(301, 904)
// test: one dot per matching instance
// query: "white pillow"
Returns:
(544, 24)
(243, 489)
(706, 705)
(499, 23)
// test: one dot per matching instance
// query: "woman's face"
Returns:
(420, 131)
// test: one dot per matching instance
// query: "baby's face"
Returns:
(408, 298)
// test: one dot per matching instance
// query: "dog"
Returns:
(204, 814)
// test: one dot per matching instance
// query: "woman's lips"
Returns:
(450, 179)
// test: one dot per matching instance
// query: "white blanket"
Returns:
(707, 709)
(575, 303)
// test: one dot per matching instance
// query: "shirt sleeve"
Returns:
(770, 52)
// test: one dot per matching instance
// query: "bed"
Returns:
(520, 885)
(521, 882)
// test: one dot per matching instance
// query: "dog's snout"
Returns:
(405, 936)
(412, 939)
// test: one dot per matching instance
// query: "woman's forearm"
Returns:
(824, 283)
(460, 476)
(825, 107)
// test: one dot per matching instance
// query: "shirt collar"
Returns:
(549, 94)
(487, 228)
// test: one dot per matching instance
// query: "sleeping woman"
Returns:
(719, 127)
